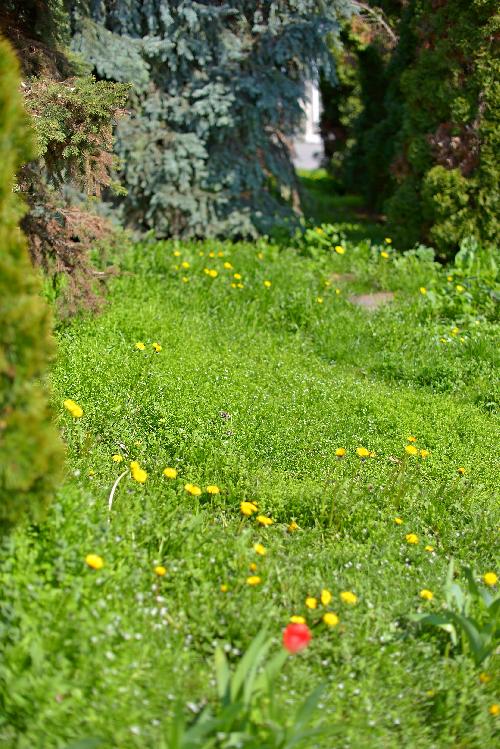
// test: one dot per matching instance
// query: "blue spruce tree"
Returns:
(216, 96)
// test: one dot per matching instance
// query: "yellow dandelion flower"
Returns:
(297, 620)
(117, 458)
(412, 538)
(398, 521)
(220, 254)
(248, 508)
(267, 284)
(460, 288)
(140, 346)
(429, 548)
(411, 438)
(384, 255)
(213, 273)
(176, 253)
(347, 597)
(224, 588)
(339, 249)
(319, 299)
(427, 595)
(260, 255)
(252, 567)
(192, 489)
(75, 410)
(484, 678)
(328, 283)
(233, 286)
(461, 471)
(94, 561)
(138, 473)
(170, 473)
(388, 240)
(423, 290)
(494, 709)
(185, 279)
(340, 452)
(262, 520)
(490, 578)
(411, 450)
(228, 266)
(156, 347)
(260, 549)
(293, 526)
(424, 454)
(239, 286)
(213, 489)
(455, 331)
(311, 603)
(338, 291)
(160, 570)
(326, 597)
(449, 278)
(330, 619)
(211, 253)
(185, 264)
(362, 452)
(237, 276)
(254, 580)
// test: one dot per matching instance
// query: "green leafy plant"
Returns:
(471, 617)
(246, 714)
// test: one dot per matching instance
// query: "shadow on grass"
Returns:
(323, 203)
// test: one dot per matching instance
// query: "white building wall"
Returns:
(307, 145)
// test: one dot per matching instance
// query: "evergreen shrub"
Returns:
(424, 149)
(30, 450)
(217, 90)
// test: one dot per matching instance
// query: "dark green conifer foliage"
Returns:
(425, 148)
(217, 90)
(30, 451)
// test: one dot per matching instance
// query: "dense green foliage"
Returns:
(30, 453)
(424, 149)
(253, 390)
(73, 118)
(216, 93)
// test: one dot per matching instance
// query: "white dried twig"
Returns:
(112, 493)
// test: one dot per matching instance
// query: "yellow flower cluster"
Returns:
(329, 618)
(413, 450)
(138, 473)
(96, 562)
(363, 453)
(141, 346)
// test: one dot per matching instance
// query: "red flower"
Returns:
(296, 637)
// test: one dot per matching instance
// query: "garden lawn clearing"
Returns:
(262, 370)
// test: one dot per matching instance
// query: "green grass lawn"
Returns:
(254, 389)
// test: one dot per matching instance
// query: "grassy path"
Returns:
(253, 391)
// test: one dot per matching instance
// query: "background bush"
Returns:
(31, 454)
(423, 148)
